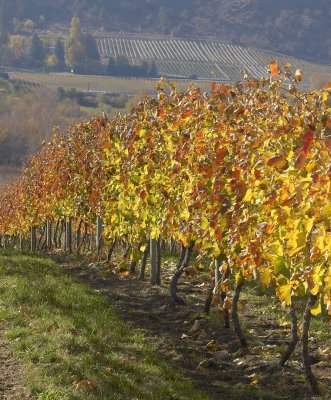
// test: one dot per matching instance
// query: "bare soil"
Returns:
(10, 374)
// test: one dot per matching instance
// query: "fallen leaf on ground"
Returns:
(84, 384)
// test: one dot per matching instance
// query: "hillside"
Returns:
(204, 59)
(299, 27)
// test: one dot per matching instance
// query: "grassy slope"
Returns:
(64, 332)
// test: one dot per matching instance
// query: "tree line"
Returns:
(76, 52)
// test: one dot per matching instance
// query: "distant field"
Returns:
(128, 86)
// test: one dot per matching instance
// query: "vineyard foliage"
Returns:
(243, 171)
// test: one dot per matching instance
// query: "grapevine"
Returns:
(241, 173)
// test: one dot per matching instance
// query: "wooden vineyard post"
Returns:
(49, 234)
(158, 262)
(33, 239)
(21, 243)
(98, 234)
(217, 271)
(68, 236)
(153, 257)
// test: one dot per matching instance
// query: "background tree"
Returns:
(75, 32)
(6, 56)
(59, 53)
(37, 53)
(80, 48)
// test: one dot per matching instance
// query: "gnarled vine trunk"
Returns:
(178, 273)
(305, 348)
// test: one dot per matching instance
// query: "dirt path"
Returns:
(236, 375)
(10, 374)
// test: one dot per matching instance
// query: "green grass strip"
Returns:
(62, 331)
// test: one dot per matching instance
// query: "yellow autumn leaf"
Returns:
(248, 196)
(317, 279)
(185, 215)
(204, 223)
(239, 278)
(319, 239)
(265, 276)
(327, 211)
(325, 96)
(277, 248)
(290, 156)
(155, 232)
(314, 291)
(217, 250)
(142, 133)
(308, 224)
(317, 307)
(284, 293)
(327, 282)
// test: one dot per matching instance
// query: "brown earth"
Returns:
(10, 374)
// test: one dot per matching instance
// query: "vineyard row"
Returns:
(241, 175)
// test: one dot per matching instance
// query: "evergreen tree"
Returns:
(37, 52)
(59, 53)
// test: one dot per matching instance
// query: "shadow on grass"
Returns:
(64, 332)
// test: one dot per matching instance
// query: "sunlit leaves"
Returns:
(298, 75)
(284, 292)
(274, 69)
(243, 171)
(317, 307)
(278, 161)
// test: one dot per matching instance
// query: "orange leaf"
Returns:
(274, 69)
(187, 113)
(256, 84)
(327, 142)
(298, 75)
(190, 271)
(300, 161)
(84, 384)
(257, 174)
(161, 112)
(277, 162)
(213, 86)
(289, 201)
(271, 199)
(308, 137)
(143, 194)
